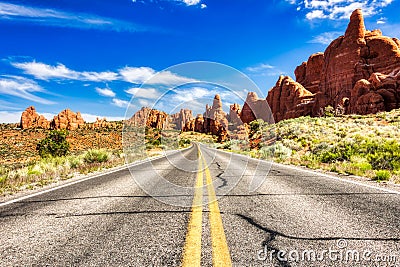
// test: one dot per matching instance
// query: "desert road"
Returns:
(295, 218)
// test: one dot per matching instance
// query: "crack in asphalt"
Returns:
(224, 181)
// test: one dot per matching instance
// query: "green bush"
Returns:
(184, 142)
(55, 144)
(382, 175)
(96, 155)
(329, 111)
(278, 150)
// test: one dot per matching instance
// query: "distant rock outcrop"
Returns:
(359, 73)
(31, 119)
(68, 120)
(181, 118)
(149, 117)
(234, 116)
(213, 121)
(103, 123)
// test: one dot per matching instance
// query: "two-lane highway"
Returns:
(295, 218)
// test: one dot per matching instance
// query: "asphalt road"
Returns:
(295, 218)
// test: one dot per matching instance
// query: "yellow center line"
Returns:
(220, 250)
(192, 249)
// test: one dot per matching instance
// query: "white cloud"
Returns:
(325, 38)
(203, 6)
(136, 75)
(149, 93)
(44, 71)
(139, 75)
(191, 2)
(22, 88)
(260, 67)
(105, 92)
(58, 18)
(315, 14)
(381, 21)
(120, 103)
(144, 103)
(263, 69)
(338, 9)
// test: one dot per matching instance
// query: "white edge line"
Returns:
(125, 166)
(313, 172)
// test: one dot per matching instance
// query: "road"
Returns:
(110, 221)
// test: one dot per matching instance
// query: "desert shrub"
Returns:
(74, 162)
(278, 150)
(292, 144)
(382, 175)
(329, 111)
(55, 144)
(339, 152)
(96, 155)
(184, 142)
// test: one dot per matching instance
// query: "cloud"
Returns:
(315, 14)
(135, 75)
(337, 9)
(381, 21)
(260, 67)
(43, 71)
(22, 88)
(325, 38)
(191, 2)
(58, 18)
(185, 2)
(120, 103)
(105, 92)
(139, 75)
(263, 69)
(149, 93)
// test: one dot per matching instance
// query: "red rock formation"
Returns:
(345, 75)
(67, 119)
(379, 93)
(157, 119)
(289, 99)
(215, 118)
(181, 118)
(149, 117)
(31, 119)
(234, 116)
(308, 74)
(214, 121)
(103, 123)
(255, 108)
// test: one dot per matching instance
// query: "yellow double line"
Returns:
(192, 249)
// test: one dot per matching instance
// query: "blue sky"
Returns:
(93, 56)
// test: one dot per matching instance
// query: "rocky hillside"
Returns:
(359, 73)
(66, 119)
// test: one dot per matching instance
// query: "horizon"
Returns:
(93, 59)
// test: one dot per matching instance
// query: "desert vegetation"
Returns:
(56, 162)
(35, 157)
(352, 144)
